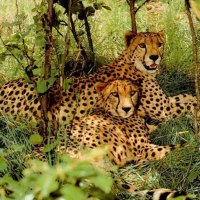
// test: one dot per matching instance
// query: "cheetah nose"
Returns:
(126, 109)
(153, 57)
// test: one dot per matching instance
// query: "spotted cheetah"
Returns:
(114, 122)
(138, 63)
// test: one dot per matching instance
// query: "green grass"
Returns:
(108, 28)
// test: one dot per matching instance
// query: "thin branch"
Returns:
(141, 5)
(195, 56)
(7, 48)
(133, 20)
(88, 32)
(73, 29)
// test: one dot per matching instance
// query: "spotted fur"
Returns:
(138, 63)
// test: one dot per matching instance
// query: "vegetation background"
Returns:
(18, 22)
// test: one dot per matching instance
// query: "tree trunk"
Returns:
(195, 56)
(47, 23)
(133, 20)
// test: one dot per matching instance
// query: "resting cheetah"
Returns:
(114, 122)
(139, 63)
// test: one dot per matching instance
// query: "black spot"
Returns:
(19, 104)
(7, 109)
(17, 92)
(10, 93)
(153, 154)
(150, 193)
(2, 93)
(23, 92)
(36, 101)
(82, 111)
(125, 186)
(64, 118)
(164, 195)
(70, 90)
(26, 108)
(83, 87)
(66, 111)
(30, 97)
(179, 193)
(147, 101)
(20, 84)
(168, 108)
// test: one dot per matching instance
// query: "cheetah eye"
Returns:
(142, 45)
(159, 44)
(115, 94)
(133, 93)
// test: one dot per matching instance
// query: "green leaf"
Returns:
(44, 85)
(38, 71)
(47, 183)
(17, 147)
(103, 182)
(2, 58)
(3, 164)
(40, 41)
(66, 83)
(35, 139)
(72, 192)
(193, 175)
(51, 146)
(83, 170)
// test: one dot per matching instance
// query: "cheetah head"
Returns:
(119, 97)
(145, 50)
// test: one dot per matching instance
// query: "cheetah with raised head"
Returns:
(139, 62)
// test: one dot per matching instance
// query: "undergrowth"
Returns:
(180, 169)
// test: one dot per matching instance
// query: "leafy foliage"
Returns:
(22, 54)
(70, 179)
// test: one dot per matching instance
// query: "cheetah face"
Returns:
(145, 50)
(119, 98)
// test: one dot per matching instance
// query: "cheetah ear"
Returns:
(99, 86)
(128, 37)
(162, 35)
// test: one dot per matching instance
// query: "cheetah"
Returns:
(114, 122)
(139, 63)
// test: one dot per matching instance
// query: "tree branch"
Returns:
(141, 6)
(48, 24)
(133, 20)
(195, 56)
